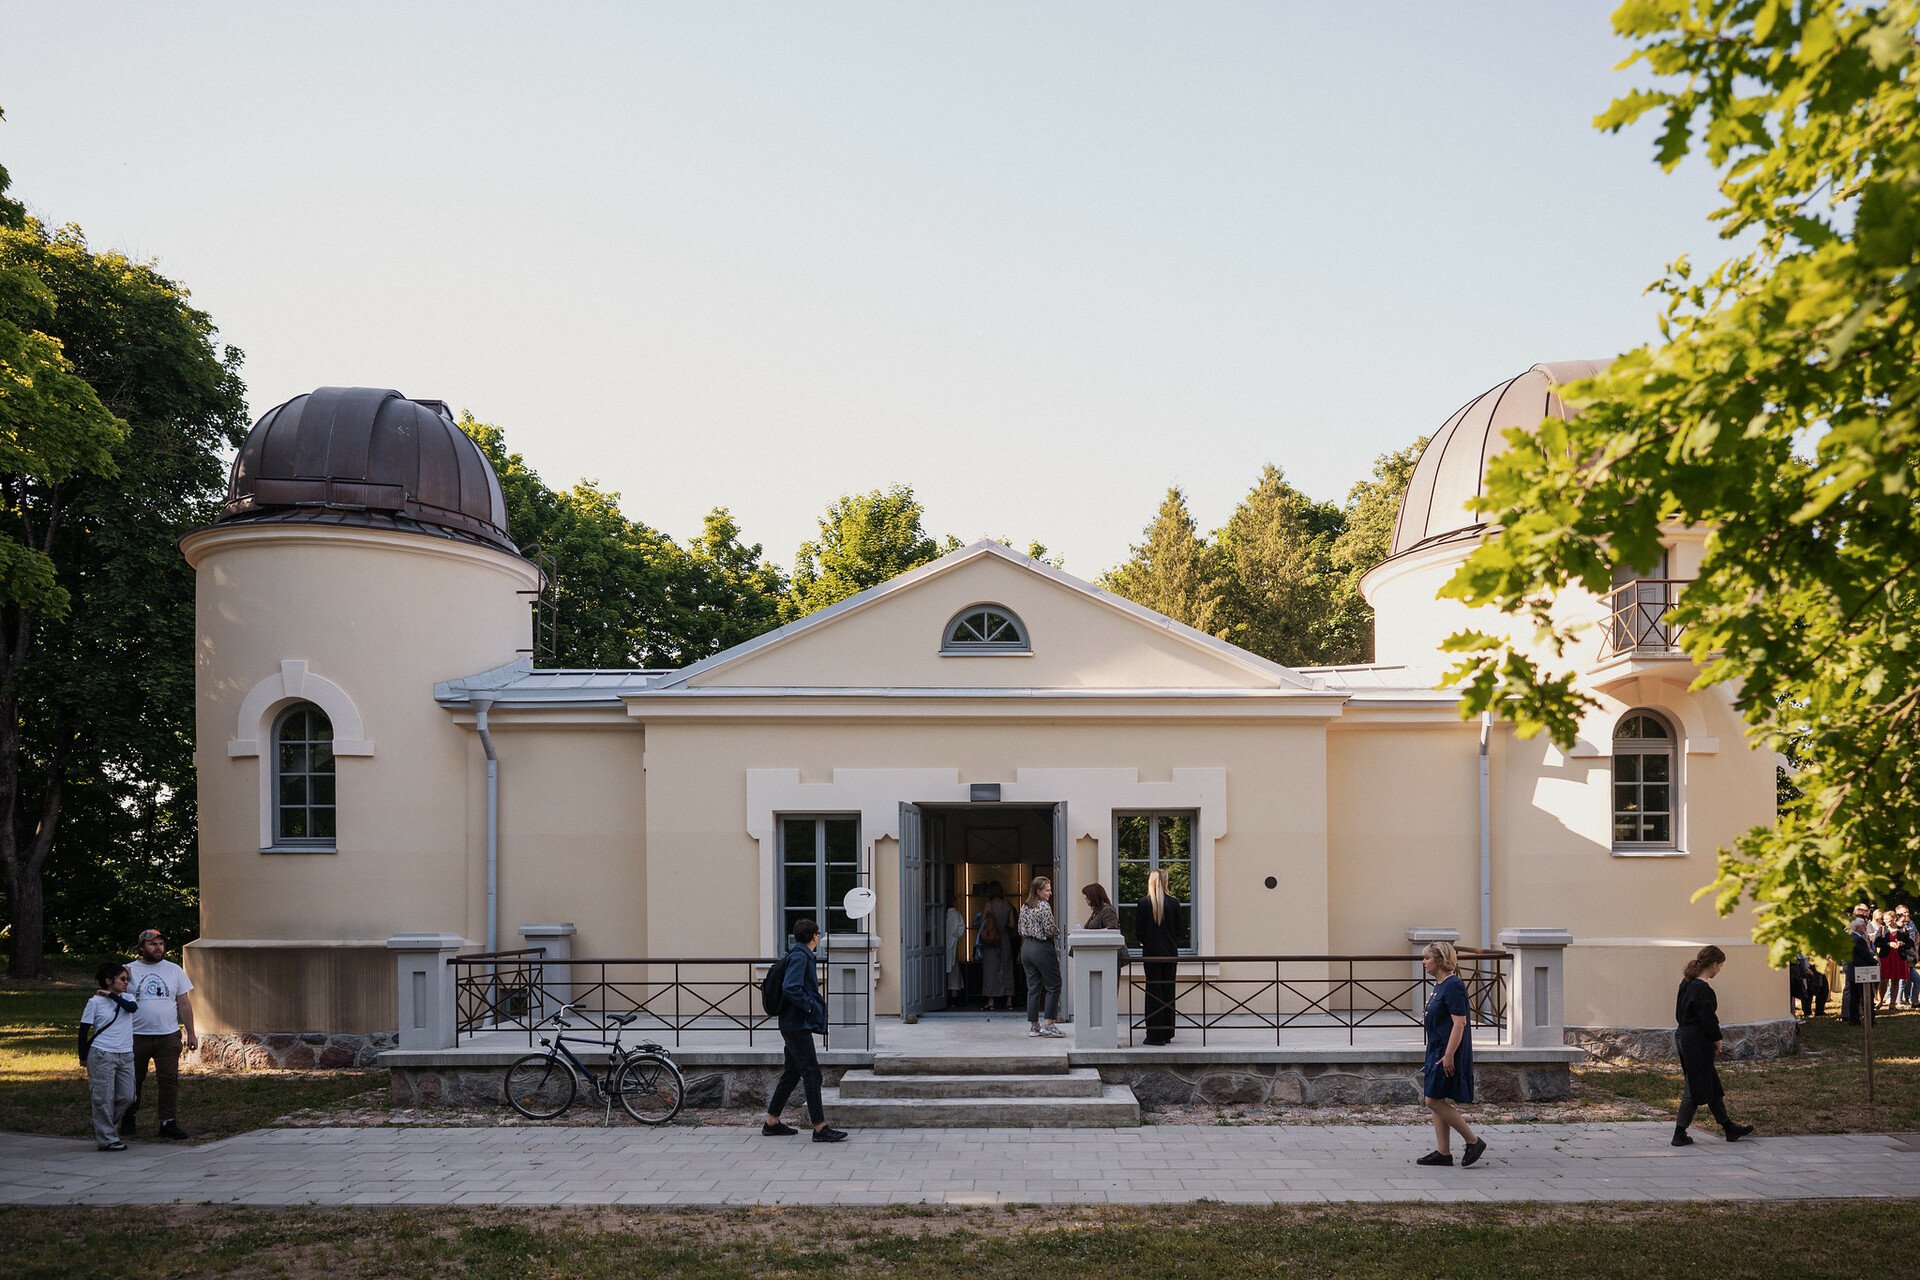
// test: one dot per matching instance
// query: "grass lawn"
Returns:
(1217, 1242)
(43, 1087)
(1823, 1089)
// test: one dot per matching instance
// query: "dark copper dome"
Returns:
(370, 457)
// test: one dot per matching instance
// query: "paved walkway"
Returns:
(734, 1165)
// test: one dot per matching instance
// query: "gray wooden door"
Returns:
(1066, 902)
(913, 898)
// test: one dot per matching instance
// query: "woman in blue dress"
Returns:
(1447, 1078)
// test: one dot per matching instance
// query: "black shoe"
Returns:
(1435, 1157)
(777, 1131)
(1680, 1138)
(829, 1134)
(171, 1129)
(1475, 1149)
(1735, 1132)
(128, 1127)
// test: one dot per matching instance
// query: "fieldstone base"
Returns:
(708, 1088)
(1247, 1084)
(314, 1050)
(1746, 1041)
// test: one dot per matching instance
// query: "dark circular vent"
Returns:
(371, 457)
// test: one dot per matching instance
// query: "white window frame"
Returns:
(1641, 750)
(1189, 903)
(310, 843)
(953, 648)
(823, 905)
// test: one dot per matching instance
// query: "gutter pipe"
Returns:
(1486, 835)
(482, 704)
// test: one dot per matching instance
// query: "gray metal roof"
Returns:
(518, 683)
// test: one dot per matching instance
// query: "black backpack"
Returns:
(773, 994)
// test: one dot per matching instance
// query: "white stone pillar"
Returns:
(424, 990)
(850, 960)
(556, 976)
(1093, 962)
(1537, 997)
(1418, 937)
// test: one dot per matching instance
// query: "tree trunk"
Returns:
(29, 958)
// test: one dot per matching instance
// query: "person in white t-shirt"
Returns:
(106, 1046)
(161, 987)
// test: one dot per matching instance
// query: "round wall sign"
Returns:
(858, 904)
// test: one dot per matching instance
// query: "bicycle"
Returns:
(644, 1080)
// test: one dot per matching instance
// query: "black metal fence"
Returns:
(677, 996)
(1214, 994)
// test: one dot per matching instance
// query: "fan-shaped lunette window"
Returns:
(985, 628)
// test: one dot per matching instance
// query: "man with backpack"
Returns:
(802, 1014)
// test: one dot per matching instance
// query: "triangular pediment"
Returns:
(1080, 637)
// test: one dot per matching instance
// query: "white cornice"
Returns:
(203, 543)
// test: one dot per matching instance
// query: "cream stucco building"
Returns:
(363, 629)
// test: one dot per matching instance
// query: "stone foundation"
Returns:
(1745, 1041)
(1252, 1083)
(308, 1051)
(724, 1088)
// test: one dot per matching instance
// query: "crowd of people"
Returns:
(1884, 938)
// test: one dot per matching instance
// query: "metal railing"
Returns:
(1308, 993)
(677, 996)
(1637, 616)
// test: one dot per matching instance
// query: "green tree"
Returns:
(865, 538)
(1279, 594)
(1781, 407)
(735, 593)
(116, 406)
(1365, 539)
(1172, 571)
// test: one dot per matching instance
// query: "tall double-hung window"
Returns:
(1645, 785)
(819, 863)
(1146, 842)
(303, 779)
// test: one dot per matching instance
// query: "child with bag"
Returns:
(106, 1050)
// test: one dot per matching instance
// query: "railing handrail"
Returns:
(577, 960)
(482, 957)
(1402, 957)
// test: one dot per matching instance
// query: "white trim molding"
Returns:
(1092, 797)
(294, 682)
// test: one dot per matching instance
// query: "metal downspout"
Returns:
(1486, 836)
(482, 705)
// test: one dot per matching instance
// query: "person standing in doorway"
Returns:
(802, 1016)
(1040, 958)
(1696, 1013)
(1157, 921)
(162, 1019)
(994, 945)
(1447, 1077)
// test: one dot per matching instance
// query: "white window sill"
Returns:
(1649, 853)
(986, 653)
(301, 848)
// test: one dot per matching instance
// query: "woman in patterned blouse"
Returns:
(1039, 956)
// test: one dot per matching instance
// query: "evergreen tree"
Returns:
(1278, 589)
(1173, 571)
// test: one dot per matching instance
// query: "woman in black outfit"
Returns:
(1157, 921)
(1697, 1037)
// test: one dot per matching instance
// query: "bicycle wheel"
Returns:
(650, 1089)
(540, 1086)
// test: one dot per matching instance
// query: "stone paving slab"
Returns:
(734, 1165)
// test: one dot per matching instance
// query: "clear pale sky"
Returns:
(1038, 261)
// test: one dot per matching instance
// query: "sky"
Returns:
(1037, 261)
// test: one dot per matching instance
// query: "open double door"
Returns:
(935, 875)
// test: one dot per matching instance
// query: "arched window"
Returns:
(1645, 789)
(985, 628)
(303, 778)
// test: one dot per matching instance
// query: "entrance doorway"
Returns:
(950, 856)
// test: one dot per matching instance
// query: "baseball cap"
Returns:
(147, 935)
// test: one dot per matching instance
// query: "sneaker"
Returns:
(1054, 1031)
(777, 1131)
(113, 1146)
(171, 1129)
(1475, 1149)
(829, 1134)
(1681, 1139)
(128, 1126)
(1435, 1157)
(1736, 1132)
(1034, 1033)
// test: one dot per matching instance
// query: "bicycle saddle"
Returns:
(622, 1019)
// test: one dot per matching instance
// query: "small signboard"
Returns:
(1866, 973)
(858, 903)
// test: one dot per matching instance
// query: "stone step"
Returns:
(1031, 1062)
(1115, 1108)
(1082, 1082)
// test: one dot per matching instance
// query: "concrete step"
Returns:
(1115, 1108)
(1029, 1062)
(1082, 1082)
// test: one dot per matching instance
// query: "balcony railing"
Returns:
(1639, 617)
